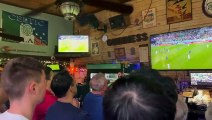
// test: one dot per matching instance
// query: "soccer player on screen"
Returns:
(168, 65)
(167, 58)
(189, 54)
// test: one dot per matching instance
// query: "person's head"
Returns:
(24, 78)
(169, 87)
(138, 96)
(181, 110)
(49, 73)
(3, 95)
(97, 82)
(63, 84)
(208, 113)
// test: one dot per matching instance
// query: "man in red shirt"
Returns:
(49, 99)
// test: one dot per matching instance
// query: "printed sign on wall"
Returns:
(34, 31)
(95, 48)
(149, 18)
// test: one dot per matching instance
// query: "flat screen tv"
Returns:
(54, 66)
(73, 44)
(108, 76)
(182, 50)
(202, 79)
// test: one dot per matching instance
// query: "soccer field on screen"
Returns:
(182, 56)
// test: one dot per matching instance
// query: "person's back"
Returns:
(93, 101)
(93, 105)
(65, 111)
(64, 89)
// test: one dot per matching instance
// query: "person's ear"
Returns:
(71, 88)
(32, 87)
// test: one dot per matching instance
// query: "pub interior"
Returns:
(171, 36)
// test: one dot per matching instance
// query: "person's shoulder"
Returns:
(91, 96)
(52, 112)
(53, 107)
(10, 116)
(88, 95)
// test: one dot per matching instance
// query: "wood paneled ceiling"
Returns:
(34, 4)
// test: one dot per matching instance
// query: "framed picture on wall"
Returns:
(120, 53)
(149, 18)
(178, 11)
(143, 53)
(95, 48)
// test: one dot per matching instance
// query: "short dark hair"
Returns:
(138, 96)
(61, 83)
(17, 72)
(48, 70)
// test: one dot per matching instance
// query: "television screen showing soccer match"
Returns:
(201, 79)
(182, 50)
(73, 43)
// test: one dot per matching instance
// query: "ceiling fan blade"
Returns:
(109, 5)
(12, 37)
(39, 10)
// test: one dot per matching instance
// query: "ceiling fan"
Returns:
(11, 37)
(77, 4)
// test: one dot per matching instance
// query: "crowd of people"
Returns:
(35, 93)
(183, 37)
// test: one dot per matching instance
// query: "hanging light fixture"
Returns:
(70, 10)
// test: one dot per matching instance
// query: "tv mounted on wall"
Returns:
(54, 67)
(182, 50)
(73, 43)
(201, 79)
(72, 46)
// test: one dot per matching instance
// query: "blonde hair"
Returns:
(181, 110)
(97, 82)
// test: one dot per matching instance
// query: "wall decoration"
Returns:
(132, 51)
(207, 8)
(178, 11)
(110, 54)
(120, 53)
(143, 53)
(34, 31)
(95, 48)
(127, 39)
(149, 18)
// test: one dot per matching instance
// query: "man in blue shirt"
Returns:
(93, 100)
(64, 89)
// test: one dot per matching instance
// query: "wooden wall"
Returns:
(198, 20)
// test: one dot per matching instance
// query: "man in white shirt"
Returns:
(23, 80)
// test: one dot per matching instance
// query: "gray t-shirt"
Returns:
(11, 116)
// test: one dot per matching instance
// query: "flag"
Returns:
(34, 31)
